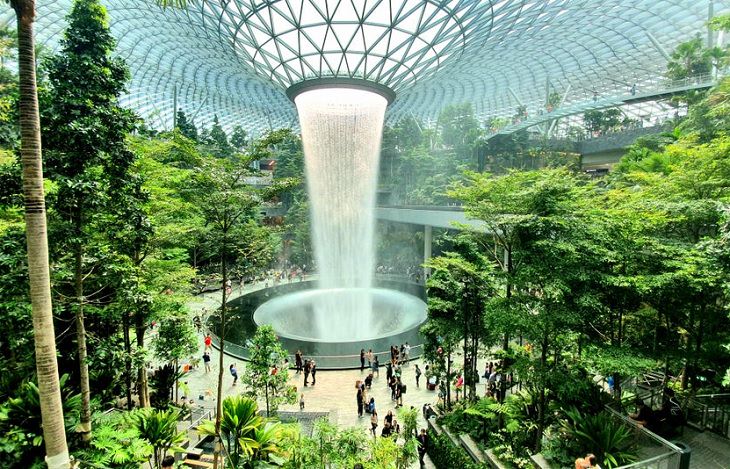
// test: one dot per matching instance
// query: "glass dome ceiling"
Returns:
(235, 58)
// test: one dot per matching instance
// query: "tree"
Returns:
(54, 434)
(219, 140)
(226, 203)
(176, 340)
(239, 138)
(266, 374)
(187, 128)
(86, 132)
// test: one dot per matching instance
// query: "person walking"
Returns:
(208, 341)
(369, 356)
(418, 375)
(301, 402)
(358, 397)
(313, 370)
(400, 389)
(206, 361)
(234, 373)
(388, 373)
(307, 369)
(376, 366)
(362, 360)
(422, 445)
(373, 421)
(298, 361)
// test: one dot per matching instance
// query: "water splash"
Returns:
(341, 134)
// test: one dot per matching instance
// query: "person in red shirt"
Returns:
(208, 342)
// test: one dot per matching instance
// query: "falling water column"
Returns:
(341, 134)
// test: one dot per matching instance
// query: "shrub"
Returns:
(445, 455)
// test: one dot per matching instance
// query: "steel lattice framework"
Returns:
(235, 58)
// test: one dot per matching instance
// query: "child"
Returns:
(301, 402)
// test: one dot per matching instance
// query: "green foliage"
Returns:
(115, 444)
(21, 426)
(239, 424)
(186, 127)
(266, 375)
(159, 429)
(445, 455)
(218, 140)
(610, 439)
(176, 337)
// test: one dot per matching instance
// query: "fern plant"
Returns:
(115, 444)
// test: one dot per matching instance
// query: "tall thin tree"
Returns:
(54, 433)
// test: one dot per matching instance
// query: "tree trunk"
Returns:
(84, 427)
(221, 336)
(54, 434)
(143, 393)
(542, 400)
(127, 358)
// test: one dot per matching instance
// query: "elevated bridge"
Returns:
(647, 92)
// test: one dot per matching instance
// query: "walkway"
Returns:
(651, 91)
(709, 451)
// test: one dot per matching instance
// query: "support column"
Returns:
(427, 242)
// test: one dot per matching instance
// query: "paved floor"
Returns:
(709, 451)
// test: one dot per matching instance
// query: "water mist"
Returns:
(341, 135)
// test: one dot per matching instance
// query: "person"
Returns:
(208, 341)
(643, 415)
(418, 376)
(234, 372)
(486, 371)
(371, 406)
(298, 361)
(362, 360)
(369, 356)
(422, 445)
(392, 384)
(369, 381)
(373, 421)
(168, 462)
(388, 373)
(360, 402)
(400, 389)
(301, 401)
(386, 430)
(313, 371)
(586, 462)
(307, 369)
(459, 384)
(376, 366)
(389, 418)
(206, 361)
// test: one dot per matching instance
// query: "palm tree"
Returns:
(159, 428)
(54, 433)
(238, 426)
